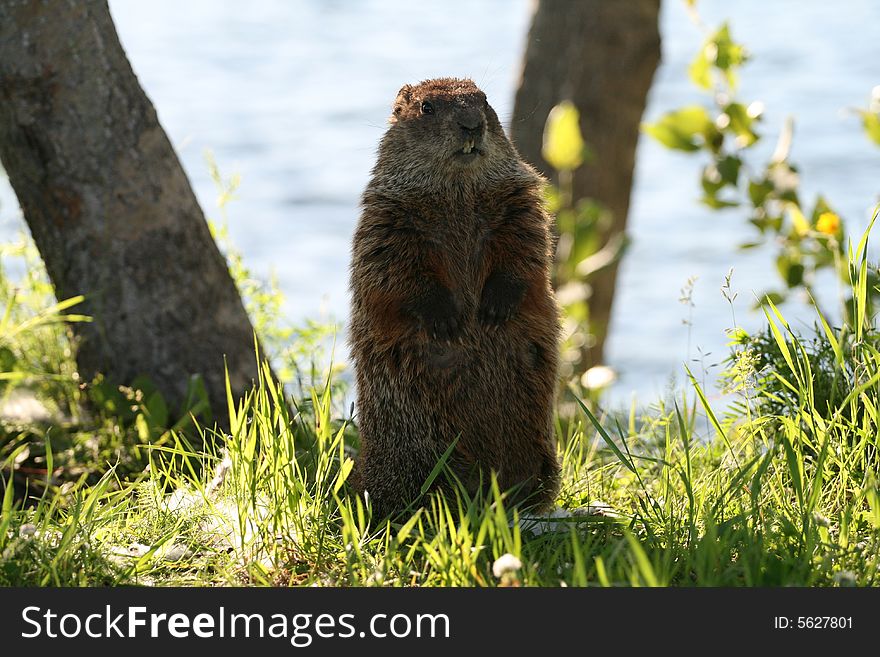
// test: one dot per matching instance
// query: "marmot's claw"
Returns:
(437, 314)
(493, 317)
(445, 329)
(500, 298)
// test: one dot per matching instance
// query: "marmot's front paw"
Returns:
(442, 328)
(438, 315)
(501, 297)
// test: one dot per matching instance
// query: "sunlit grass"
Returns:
(770, 501)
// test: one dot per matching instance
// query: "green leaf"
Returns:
(721, 52)
(758, 191)
(729, 167)
(144, 384)
(196, 398)
(729, 54)
(790, 268)
(7, 359)
(795, 275)
(564, 147)
(777, 334)
(404, 532)
(769, 297)
(6, 509)
(871, 124)
(682, 128)
(709, 412)
(607, 438)
(795, 467)
(107, 396)
(700, 69)
(718, 203)
(438, 467)
(157, 412)
(832, 339)
(798, 220)
(344, 471)
(143, 429)
(646, 570)
(711, 180)
(741, 124)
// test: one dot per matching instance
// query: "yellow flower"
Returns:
(828, 223)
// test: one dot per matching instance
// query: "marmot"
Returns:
(454, 327)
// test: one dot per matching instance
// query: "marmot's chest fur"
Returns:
(460, 235)
(454, 328)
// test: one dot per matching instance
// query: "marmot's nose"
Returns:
(471, 126)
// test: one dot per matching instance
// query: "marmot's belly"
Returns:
(493, 390)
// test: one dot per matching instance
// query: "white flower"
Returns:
(784, 178)
(598, 377)
(138, 549)
(845, 578)
(506, 563)
(175, 552)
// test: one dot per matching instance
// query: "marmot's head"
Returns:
(444, 127)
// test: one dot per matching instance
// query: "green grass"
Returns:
(779, 487)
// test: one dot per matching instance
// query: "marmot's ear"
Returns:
(404, 95)
(403, 98)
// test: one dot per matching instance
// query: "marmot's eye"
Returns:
(427, 108)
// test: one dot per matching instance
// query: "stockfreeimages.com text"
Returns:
(299, 629)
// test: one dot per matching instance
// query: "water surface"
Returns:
(294, 97)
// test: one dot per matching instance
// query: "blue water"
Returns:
(294, 97)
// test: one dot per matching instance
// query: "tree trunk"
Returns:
(601, 55)
(110, 208)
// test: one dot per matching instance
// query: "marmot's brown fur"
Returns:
(454, 327)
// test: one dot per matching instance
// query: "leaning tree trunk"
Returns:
(110, 208)
(601, 55)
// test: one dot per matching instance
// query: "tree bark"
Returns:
(110, 207)
(601, 55)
